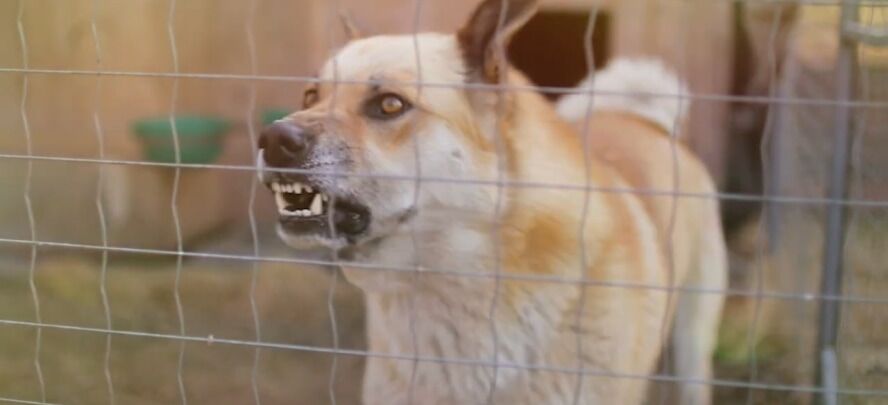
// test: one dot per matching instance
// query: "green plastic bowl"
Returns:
(272, 115)
(200, 139)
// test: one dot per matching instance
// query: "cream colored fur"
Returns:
(642, 86)
(515, 252)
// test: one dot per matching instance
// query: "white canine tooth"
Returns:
(281, 203)
(316, 207)
(260, 165)
(276, 187)
(297, 188)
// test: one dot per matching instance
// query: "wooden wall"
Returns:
(210, 37)
(292, 37)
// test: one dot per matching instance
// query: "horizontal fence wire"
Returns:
(792, 200)
(431, 271)
(212, 340)
(256, 258)
(24, 402)
(828, 3)
(800, 101)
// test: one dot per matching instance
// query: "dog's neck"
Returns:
(440, 285)
(459, 318)
(447, 255)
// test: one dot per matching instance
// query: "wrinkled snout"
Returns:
(286, 144)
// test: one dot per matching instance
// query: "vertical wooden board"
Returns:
(695, 38)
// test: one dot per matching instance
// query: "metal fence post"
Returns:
(831, 278)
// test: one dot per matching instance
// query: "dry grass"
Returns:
(293, 309)
(773, 341)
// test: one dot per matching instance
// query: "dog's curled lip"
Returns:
(349, 218)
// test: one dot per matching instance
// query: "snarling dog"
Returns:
(504, 256)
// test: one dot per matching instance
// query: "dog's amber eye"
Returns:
(386, 106)
(392, 105)
(310, 99)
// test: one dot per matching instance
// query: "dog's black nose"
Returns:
(285, 144)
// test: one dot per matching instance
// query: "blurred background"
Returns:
(89, 237)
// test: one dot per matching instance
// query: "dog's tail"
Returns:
(643, 87)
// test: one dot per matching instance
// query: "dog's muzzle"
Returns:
(304, 205)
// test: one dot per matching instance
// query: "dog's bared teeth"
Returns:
(317, 208)
(281, 203)
(276, 187)
(297, 188)
(309, 189)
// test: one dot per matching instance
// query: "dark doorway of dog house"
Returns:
(551, 48)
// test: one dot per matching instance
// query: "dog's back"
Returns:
(633, 123)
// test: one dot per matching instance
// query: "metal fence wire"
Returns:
(86, 320)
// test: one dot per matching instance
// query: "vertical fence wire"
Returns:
(250, 119)
(334, 330)
(334, 327)
(589, 56)
(669, 239)
(29, 179)
(830, 289)
(674, 138)
(857, 163)
(333, 14)
(772, 65)
(174, 205)
(499, 144)
(417, 189)
(836, 216)
(100, 207)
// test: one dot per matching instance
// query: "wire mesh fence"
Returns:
(161, 301)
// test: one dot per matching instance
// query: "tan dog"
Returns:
(472, 274)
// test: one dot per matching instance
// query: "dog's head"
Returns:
(386, 110)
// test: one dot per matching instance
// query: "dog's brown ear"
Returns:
(485, 38)
(351, 30)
